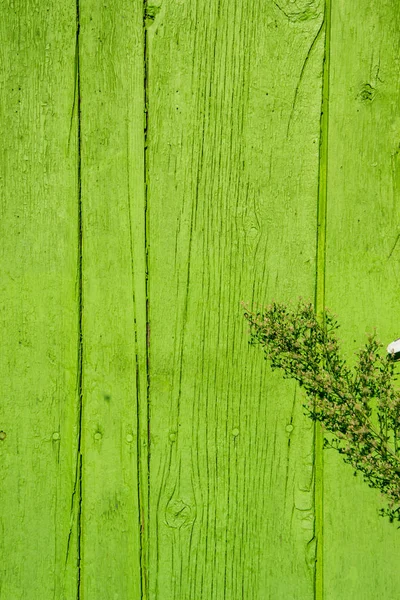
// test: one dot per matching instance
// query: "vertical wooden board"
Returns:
(234, 101)
(39, 308)
(362, 271)
(113, 295)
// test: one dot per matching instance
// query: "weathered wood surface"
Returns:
(147, 451)
(73, 301)
(234, 92)
(113, 319)
(362, 270)
(39, 302)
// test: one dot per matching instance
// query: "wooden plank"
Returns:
(361, 548)
(234, 101)
(39, 305)
(113, 298)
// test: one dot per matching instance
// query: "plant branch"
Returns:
(344, 400)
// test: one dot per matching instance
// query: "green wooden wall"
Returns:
(161, 163)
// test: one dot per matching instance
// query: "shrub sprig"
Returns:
(359, 407)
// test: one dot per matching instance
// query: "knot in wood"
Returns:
(178, 514)
(367, 93)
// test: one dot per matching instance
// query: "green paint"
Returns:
(39, 305)
(361, 549)
(151, 179)
(320, 287)
(113, 502)
(234, 102)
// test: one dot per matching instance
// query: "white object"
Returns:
(394, 347)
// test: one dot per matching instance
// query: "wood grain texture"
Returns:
(114, 427)
(234, 102)
(39, 304)
(151, 179)
(361, 548)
